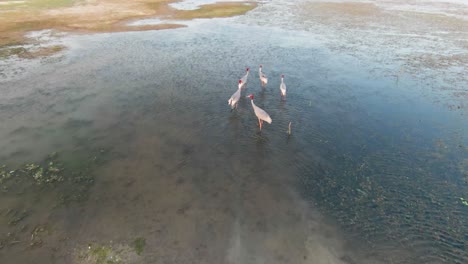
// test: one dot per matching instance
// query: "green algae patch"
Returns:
(139, 245)
(42, 186)
(47, 172)
(216, 10)
(67, 176)
(463, 201)
(103, 255)
(10, 51)
(107, 253)
(99, 254)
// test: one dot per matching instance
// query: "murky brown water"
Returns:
(374, 171)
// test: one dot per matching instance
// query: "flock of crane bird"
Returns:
(261, 114)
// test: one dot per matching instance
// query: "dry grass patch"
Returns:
(215, 10)
(344, 8)
(18, 18)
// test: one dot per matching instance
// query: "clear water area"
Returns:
(372, 173)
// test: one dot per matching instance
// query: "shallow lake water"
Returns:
(375, 170)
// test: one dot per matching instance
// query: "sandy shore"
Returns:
(19, 17)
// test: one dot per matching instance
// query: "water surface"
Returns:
(373, 172)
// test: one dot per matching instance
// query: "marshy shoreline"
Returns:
(93, 16)
(119, 146)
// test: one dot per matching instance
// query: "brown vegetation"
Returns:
(20, 17)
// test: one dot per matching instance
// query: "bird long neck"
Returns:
(253, 105)
(282, 80)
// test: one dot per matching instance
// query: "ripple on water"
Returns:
(163, 104)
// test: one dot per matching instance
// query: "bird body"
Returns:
(263, 77)
(234, 100)
(244, 78)
(282, 88)
(261, 114)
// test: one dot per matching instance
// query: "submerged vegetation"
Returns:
(99, 254)
(25, 53)
(50, 173)
(57, 180)
(139, 245)
(110, 253)
(364, 194)
(463, 201)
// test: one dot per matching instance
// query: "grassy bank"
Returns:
(87, 16)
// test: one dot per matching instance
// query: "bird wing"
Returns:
(244, 78)
(260, 113)
(236, 95)
(234, 98)
(283, 88)
(261, 74)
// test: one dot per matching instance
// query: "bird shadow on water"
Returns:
(235, 117)
(260, 137)
(282, 104)
(262, 92)
(289, 138)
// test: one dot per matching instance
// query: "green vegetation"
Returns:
(95, 253)
(24, 53)
(63, 15)
(69, 175)
(386, 197)
(139, 245)
(463, 201)
(50, 182)
(47, 172)
(215, 10)
(48, 4)
(103, 255)
(36, 4)
(9, 51)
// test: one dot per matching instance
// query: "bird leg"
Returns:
(260, 124)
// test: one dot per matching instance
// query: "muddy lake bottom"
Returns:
(153, 167)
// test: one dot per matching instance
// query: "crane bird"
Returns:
(263, 77)
(260, 113)
(282, 88)
(234, 100)
(244, 78)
